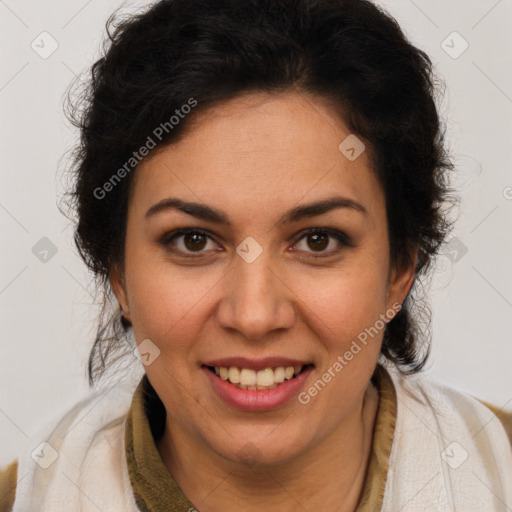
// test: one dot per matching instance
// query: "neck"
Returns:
(304, 483)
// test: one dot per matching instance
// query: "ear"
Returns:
(118, 284)
(401, 279)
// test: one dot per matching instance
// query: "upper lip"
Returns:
(256, 364)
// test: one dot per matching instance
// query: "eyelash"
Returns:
(339, 236)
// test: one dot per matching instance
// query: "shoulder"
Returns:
(87, 424)
(452, 441)
(8, 478)
(505, 417)
(452, 406)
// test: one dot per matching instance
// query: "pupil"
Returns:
(319, 241)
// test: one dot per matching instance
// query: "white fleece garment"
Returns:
(449, 453)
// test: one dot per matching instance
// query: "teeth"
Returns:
(268, 378)
(247, 377)
(279, 375)
(265, 377)
(234, 375)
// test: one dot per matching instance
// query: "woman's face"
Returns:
(252, 289)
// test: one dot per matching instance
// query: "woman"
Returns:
(261, 184)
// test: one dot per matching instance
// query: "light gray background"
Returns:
(46, 314)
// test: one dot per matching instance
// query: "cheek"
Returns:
(166, 304)
(344, 303)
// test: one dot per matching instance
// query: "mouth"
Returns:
(263, 379)
(257, 384)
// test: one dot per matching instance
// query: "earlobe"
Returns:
(118, 285)
(401, 281)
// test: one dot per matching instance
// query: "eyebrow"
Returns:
(209, 213)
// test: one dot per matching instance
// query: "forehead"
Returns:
(259, 152)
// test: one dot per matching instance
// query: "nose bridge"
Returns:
(255, 302)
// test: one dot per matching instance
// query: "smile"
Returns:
(257, 385)
(265, 379)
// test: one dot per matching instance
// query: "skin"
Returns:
(255, 157)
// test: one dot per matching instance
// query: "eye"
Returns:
(325, 242)
(188, 241)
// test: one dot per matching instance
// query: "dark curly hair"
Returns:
(350, 52)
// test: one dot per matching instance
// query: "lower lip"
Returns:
(254, 400)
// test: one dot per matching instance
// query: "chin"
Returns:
(262, 449)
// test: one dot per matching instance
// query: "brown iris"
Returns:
(318, 241)
(194, 241)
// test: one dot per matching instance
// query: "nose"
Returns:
(256, 300)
